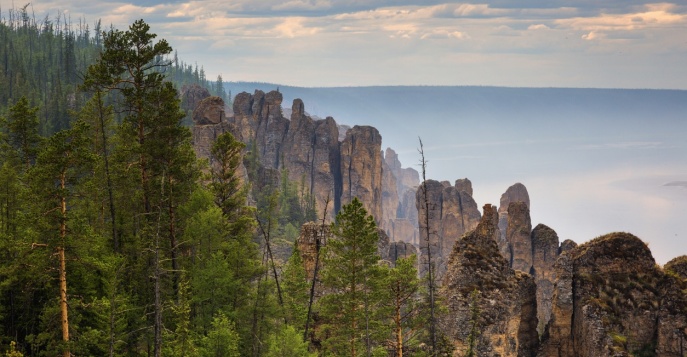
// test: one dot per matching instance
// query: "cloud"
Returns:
(538, 27)
(294, 27)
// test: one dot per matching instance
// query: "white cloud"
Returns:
(538, 27)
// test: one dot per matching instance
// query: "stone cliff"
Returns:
(327, 160)
(544, 255)
(450, 212)
(515, 193)
(611, 299)
(479, 279)
(361, 168)
(399, 214)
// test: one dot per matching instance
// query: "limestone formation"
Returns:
(313, 236)
(361, 168)
(191, 95)
(677, 266)
(245, 122)
(515, 193)
(566, 246)
(272, 128)
(399, 250)
(464, 185)
(311, 156)
(451, 214)
(610, 299)
(505, 299)
(544, 255)
(518, 233)
(398, 187)
(209, 123)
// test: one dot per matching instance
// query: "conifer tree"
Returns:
(353, 312)
(60, 165)
(404, 286)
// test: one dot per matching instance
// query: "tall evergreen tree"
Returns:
(353, 312)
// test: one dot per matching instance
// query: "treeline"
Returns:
(45, 59)
(115, 240)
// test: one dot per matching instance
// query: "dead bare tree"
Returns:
(430, 264)
(316, 268)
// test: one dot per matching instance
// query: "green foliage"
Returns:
(222, 339)
(474, 324)
(354, 313)
(288, 342)
(296, 290)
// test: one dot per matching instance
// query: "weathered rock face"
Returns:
(313, 236)
(191, 95)
(272, 128)
(515, 193)
(610, 299)
(311, 156)
(361, 168)
(450, 213)
(677, 266)
(209, 111)
(398, 186)
(566, 246)
(399, 250)
(310, 152)
(518, 233)
(544, 255)
(209, 123)
(245, 122)
(506, 299)
(464, 185)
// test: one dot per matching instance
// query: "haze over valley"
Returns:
(593, 160)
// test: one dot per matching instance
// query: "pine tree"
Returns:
(404, 285)
(353, 312)
(22, 131)
(62, 163)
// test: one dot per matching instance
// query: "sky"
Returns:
(531, 43)
(620, 182)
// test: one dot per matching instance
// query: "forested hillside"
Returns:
(115, 240)
(45, 59)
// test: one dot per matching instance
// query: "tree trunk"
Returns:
(397, 318)
(63, 272)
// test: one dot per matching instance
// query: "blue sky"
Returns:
(584, 43)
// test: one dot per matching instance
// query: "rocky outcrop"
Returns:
(244, 120)
(191, 95)
(449, 213)
(464, 185)
(272, 128)
(209, 121)
(678, 267)
(544, 255)
(566, 246)
(311, 156)
(518, 231)
(399, 250)
(479, 279)
(515, 193)
(328, 160)
(361, 168)
(610, 299)
(398, 199)
(313, 236)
